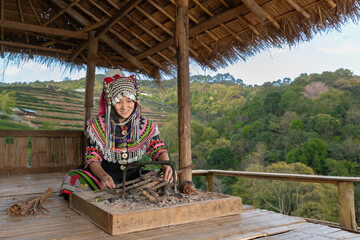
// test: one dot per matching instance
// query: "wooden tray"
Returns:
(122, 221)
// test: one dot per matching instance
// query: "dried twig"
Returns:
(30, 205)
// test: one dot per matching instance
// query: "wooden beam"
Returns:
(90, 77)
(144, 29)
(346, 205)
(155, 21)
(255, 9)
(94, 26)
(210, 23)
(100, 8)
(160, 9)
(225, 3)
(203, 44)
(34, 12)
(197, 22)
(231, 32)
(61, 12)
(331, 3)
(122, 52)
(107, 60)
(111, 43)
(134, 34)
(298, 8)
(22, 45)
(78, 50)
(113, 4)
(166, 58)
(23, 21)
(203, 8)
(43, 30)
(119, 36)
(249, 25)
(260, 13)
(182, 58)
(117, 16)
(156, 63)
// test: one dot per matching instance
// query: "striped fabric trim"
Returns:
(155, 148)
(156, 155)
(148, 131)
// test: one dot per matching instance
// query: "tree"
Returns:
(314, 89)
(7, 102)
(222, 158)
(272, 103)
(313, 153)
(292, 198)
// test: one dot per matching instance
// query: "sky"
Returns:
(327, 51)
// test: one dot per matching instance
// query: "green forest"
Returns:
(309, 125)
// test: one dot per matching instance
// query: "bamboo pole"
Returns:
(182, 57)
(90, 76)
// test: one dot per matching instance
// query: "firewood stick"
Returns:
(120, 185)
(150, 197)
(183, 169)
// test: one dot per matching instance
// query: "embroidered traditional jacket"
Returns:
(149, 142)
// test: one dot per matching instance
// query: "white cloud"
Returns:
(35, 66)
(12, 71)
(346, 48)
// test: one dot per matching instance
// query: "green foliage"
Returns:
(7, 102)
(5, 124)
(313, 154)
(221, 158)
(311, 200)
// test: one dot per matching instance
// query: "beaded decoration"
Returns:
(116, 87)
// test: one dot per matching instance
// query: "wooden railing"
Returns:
(48, 151)
(344, 184)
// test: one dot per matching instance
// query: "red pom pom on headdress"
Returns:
(108, 80)
(117, 76)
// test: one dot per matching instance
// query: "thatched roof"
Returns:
(138, 35)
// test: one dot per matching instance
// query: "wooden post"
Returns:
(346, 205)
(209, 182)
(90, 77)
(182, 57)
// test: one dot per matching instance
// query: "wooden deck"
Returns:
(64, 223)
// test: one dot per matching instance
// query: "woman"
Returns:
(116, 136)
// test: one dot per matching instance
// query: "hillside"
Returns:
(59, 108)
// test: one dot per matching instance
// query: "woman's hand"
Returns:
(107, 181)
(168, 173)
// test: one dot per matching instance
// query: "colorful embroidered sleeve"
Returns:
(92, 154)
(156, 147)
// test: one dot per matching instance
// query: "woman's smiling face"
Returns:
(124, 108)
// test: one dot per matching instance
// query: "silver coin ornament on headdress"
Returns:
(118, 86)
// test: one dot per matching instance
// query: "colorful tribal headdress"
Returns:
(116, 86)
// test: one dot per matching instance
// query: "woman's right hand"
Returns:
(107, 181)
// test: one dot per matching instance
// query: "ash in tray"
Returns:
(150, 191)
(135, 202)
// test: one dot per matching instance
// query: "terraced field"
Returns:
(63, 109)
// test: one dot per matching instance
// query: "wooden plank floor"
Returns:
(64, 223)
